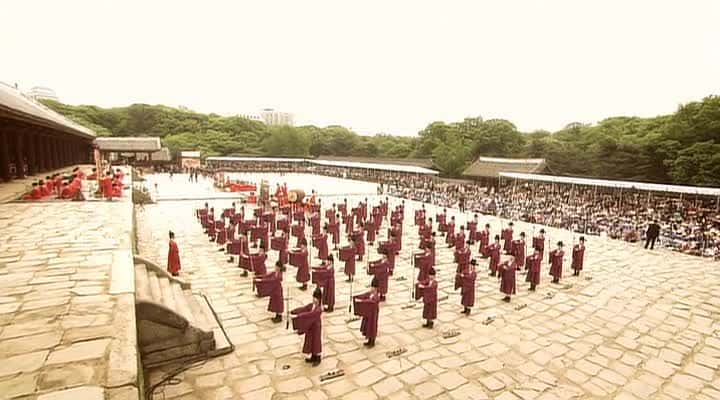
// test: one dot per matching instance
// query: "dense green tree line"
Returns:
(682, 148)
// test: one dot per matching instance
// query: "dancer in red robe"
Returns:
(367, 306)
(380, 270)
(539, 243)
(472, 229)
(173, 263)
(324, 277)
(371, 230)
(459, 240)
(107, 186)
(466, 282)
(428, 291)
(347, 254)
(450, 232)
(494, 252)
(507, 270)
(359, 240)
(578, 256)
(507, 236)
(299, 259)
(334, 229)
(518, 249)
(532, 264)
(271, 285)
(320, 243)
(556, 260)
(307, 321)
(484, 238)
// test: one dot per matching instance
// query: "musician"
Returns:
(359, 240)
(450, 232)
(494, 252)
(532, 265)
(441, 219)
(459, 239)
(556, 259)
(472, 228)
(334, 229)
(307, 321)
(314, 222)
(539, 243)
(507, 236)
(299, 259)
(507, 270)
(578, 256)
(465, 280)
(367, 306)
(347, 254)
(320, 242)
(349, 224)
(371, 229)
(484, 238)
(271, 285)
(428, 291)
(324, 277)
(518, 249)
(381, 270)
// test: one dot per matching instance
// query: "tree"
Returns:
(698, 164)
(451, 155)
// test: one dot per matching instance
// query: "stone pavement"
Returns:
(644, 326)
(67, 309)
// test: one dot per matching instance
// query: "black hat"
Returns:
(330, 257)
(542, 230)
(582, 238)
(522, 234)
(560, 243)
(431, 272)
(171, 234)
(473, 262)
(374, 283)
(510, 223)
(317, 293)
(434, 233)
(497, 237)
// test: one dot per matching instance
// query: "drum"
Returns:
(296, 196)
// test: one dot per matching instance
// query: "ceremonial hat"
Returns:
(582, 238)
(317, 293)
(473, 262)
(560, 243)
(542, 230)
(171, 234)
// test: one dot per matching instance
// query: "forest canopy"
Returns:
(681, 148)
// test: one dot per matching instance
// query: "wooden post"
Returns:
(4, 156)
(19, 156)
(31, 154)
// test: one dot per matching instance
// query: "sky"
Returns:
(374, 66)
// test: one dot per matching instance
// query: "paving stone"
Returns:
(361, 394)
(29, 344)
(79, 352)
(251, 384)
(83, 392)
(468, 391)
(294, 385)
(23, 363)
(387, 386)
(492, 383)
(451, 380)
(368, 377)
(699, 371)
(659, 368)
(427, 390)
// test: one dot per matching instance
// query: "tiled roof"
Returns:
(490, 167)
(128, 144)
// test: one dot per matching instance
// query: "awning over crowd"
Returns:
(128, 144)
(412, 169)
(651, 187)
(418, 162)
(255, 159)
(491, 167)
(190, 154)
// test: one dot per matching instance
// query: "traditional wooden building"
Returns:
(128, 149)
(35, 139)
(487, 169)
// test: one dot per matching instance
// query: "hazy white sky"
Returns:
(375, 66)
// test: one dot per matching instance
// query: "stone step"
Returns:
(182, 303)
(210, 323)
(168, 300)
(195, 303)
(155, 293)
(142, 284)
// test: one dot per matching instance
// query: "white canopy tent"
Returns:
(650, 187)
(410, 169)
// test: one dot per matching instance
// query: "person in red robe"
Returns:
(359, 240)
(371, 302)
(347, 254)
(507, 236)
(299, 259)
(494, 252)
(173, 260)
(107, 186)
(532, 264)
(324, 277)
(271, 285)
(334, 229)
(381, 270)
(556, 260)
(484, 238)
(518, 249)
(35, 193)
(450, 232)
(44, 191)
(539, 243)
(371, 230)
(320, 243)
(428, 291)
(466, 283)
(307, 321)
(507, 270)
(459, 240)
(48, 186)
(349, 224)
(578, 256)
(472, 228)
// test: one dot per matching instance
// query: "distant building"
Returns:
(273, 117)
(252, 117)
(42, 92)
(190, 159)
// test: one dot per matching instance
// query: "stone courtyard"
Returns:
(636, 324)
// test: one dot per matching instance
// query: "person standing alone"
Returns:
(651, 235)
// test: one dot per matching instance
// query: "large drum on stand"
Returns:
(296, 196)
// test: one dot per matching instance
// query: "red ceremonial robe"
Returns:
(367, 306)
(348, 255)
(484, 247)
(324, 277)
(460, 241)
(578, 255)
(371, 229)
(334, 229)
(494, 251)
(359, 242)
(348, 221)
(271, 285)
(507, 237)
(107, 187)
(472, 228)
(423, 263)
(315, 224)
(428, 292)
(556, 259)
(539, 242)
(299, 259)
(518, 251)
(467, 285)
(308, 321)
(507, 277)
(173, 264)
(450, 236)
(320, 242)
(381, 270)
(533, 264)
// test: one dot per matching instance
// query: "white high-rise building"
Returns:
(41, 92)
(273, 117)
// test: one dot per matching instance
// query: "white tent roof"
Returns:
(346, 164)
(190, 154)
(384, 167)
(652, 187)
